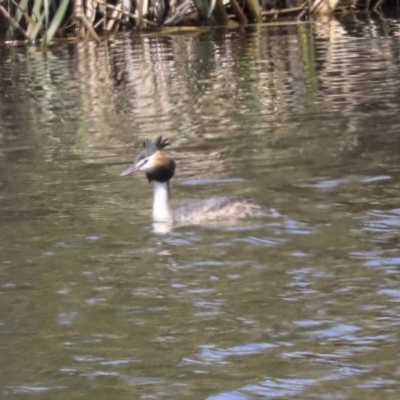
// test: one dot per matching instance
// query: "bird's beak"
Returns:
(130, 170)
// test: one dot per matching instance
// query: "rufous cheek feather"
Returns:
(163, 172)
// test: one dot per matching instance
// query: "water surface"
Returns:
(302, 118)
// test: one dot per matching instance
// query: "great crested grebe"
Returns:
(160, 169)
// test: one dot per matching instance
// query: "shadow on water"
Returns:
(302, 118)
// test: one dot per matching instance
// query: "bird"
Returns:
(159, 169)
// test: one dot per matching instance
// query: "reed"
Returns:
(45, 20)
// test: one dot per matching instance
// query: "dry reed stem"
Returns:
(101, 21)
(114, 17)
(89, 27)
(78, 14)
(13, 22)
(90, 10)
(24, 13)
(310, 4)
(139, 11)
(324, 7)
(126, 13)
(303, 13)
(283, 11)
(239, 12)
(179, 13)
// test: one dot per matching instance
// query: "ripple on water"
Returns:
(213, 354)
(378, 221)
(387, 260)
(268, 389)
(33, 389)
(324, 184)
(341, 331)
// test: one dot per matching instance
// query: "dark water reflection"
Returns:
(303, 118)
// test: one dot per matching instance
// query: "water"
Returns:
(94, 303)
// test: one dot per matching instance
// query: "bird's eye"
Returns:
(142, 162)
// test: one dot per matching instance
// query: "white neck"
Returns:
(161, 209)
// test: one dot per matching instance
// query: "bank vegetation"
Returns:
(45, 20)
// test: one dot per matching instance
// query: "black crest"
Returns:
(150, 148)
(158, 144)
